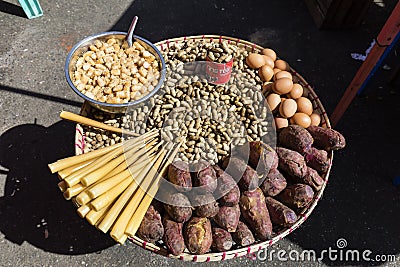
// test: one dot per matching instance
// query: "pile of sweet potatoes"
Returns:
(250, 196)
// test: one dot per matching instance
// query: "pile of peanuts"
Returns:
(209, 118)
(114, 73)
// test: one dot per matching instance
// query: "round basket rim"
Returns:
(243, 251)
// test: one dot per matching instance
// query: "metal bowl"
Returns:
(83, 46)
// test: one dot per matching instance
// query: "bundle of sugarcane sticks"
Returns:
(114, 186)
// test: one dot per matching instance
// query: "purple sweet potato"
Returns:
(291, 162)
(255, 213)
(228, 217)
(205, 205)
(227, 190)
(317, 159)
(326, 138)
(243, 236)
(313, 179)
(198, 235)
(237, 167)
(296, 196)
(222, 240)
(296, 138)
(151, 228)
(173, 236)
(261, 156)
(204, 177)
(279, 213)
(178, 207)
(274, 183)
(179, 175)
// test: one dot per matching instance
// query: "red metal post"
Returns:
(384, 39)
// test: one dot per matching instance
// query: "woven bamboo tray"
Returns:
(243, 251)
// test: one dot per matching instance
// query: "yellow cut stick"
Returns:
(106, 198)
(118, 230)
(134, 152)
(93, 123)
(63, 186)
(75, 177)
(84, 174)
(83, 210)
(122, 239)
(84, 197)
(71, 161)
(73, 191)
(67, 171)
(110, 217)
(110, 193)
(141, 210)
(115, 210)
(94, 216)
(101, 187)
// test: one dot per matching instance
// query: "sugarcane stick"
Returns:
(115, 210)
(118, 230)
(111, 216)
(105, 185)
(84, 198)
(122, 239)
(86, 175)
(71, 161)
(106, 198)
(142, 208)
(73, 191)
(106, 168)
(94, 216)
(75, 177)
(67, 171)
(83, 210)
(62, 186)
(93, 123)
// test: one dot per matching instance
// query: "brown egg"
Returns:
(267, 87)
(304, 105)
(287, 108)
(297, 91)
(281, 64)
(255, 60)
(283, 74)
(273, 100)
(269, 52)
(283, 86)
(269, 61)
(315, 119)
(276, 70)
(281, 122)
(301, 119)
(265, 73)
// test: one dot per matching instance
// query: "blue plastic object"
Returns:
(396, 181)
(31, 8)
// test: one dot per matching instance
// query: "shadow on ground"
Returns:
(32, 208)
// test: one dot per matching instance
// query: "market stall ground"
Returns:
(39, 228)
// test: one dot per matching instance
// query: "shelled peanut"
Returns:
(284, 95)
